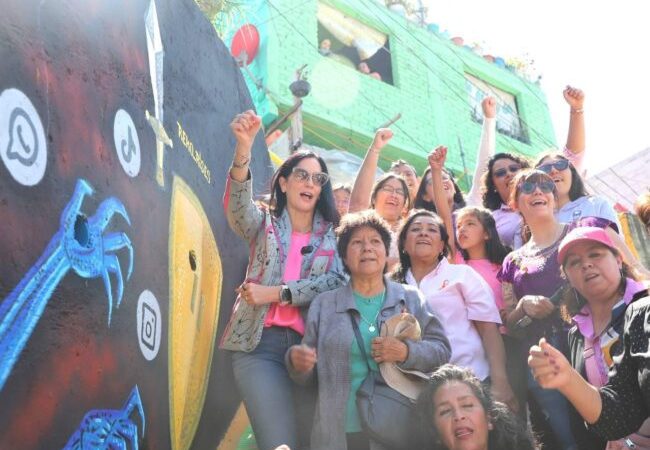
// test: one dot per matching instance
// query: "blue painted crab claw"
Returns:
(134, 401)
(71, 210)
(89, 252)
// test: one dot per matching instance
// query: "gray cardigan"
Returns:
(328, 329)
(269, 238)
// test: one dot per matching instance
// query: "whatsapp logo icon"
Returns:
(22, 138)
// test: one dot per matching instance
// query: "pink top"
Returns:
(289, 316)
(488, 271)
(459, 296)
(596, 347)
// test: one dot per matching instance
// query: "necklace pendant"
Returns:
(371, 328)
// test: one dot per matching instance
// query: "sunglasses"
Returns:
(528, 187)
(318, 178)
(559, 165)
(512, 168)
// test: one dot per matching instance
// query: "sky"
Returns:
(602, 48)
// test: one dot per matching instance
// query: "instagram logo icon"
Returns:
(148, 324)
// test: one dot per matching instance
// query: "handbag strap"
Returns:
(357, 335)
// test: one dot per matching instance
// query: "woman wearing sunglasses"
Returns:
(388, 196)
(530, 275)
(292, 258)
(492, 187)
(573, 200)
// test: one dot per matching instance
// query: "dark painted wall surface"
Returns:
(117, 267)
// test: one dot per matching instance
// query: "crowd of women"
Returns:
(399, 313)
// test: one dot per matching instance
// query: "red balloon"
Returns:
(247, 39)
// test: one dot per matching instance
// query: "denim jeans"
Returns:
(554, 407)
(280, 411)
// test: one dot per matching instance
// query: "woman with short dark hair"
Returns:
(331, 354)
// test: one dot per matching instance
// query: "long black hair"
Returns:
(421, 203)
(507, 433)
(491, 198)
(578, 188)
(495, 251)
(404, 265)
(325, 203)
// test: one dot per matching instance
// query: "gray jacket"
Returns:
(328, 329)
(269, 238)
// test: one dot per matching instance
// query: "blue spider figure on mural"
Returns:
(78, 244)
(110, 429)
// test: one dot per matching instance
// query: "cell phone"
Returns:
(556, 298)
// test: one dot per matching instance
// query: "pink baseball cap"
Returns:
(582, 234)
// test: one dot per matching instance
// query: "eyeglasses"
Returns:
(391, 190)
(318, 178)
(528, 187)
(512, 168)
(559, 165)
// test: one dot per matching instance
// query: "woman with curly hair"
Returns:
(457, 411)
(500, 168)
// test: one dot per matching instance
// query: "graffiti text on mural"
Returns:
(194, 153)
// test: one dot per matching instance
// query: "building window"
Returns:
(354, 44)
(508, 122)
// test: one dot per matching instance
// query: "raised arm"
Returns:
(360, 196)
(486, 149)
(244, 217)
(437, 160)
(575, 141)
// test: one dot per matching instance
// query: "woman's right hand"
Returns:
(382, 136)
(549, 366)
(303, 358)
(245, 126)
(437, 158)
(536, 306)
(489, 106)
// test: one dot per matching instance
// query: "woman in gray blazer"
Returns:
(329, 351)
(292, 258)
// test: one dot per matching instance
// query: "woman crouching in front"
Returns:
(330, 351)
(458, 412)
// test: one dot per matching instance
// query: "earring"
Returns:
(490, 426)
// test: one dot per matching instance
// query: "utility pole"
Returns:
(299, 88)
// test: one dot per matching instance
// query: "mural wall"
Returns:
(117, 267)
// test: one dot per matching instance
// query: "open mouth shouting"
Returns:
(463, 432)
(309, 196)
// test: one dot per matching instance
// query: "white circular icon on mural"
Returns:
(127, 143)
(149, 325)
(22, 138)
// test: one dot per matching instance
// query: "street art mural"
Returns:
(118, 268)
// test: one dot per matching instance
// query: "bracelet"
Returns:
(577, 111)
(243, 164)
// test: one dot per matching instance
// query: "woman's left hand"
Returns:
(388, 349)
(502, 392)
(258, 294)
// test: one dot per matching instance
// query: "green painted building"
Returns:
(435, 84)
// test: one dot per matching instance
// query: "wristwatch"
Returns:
(285, 295)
